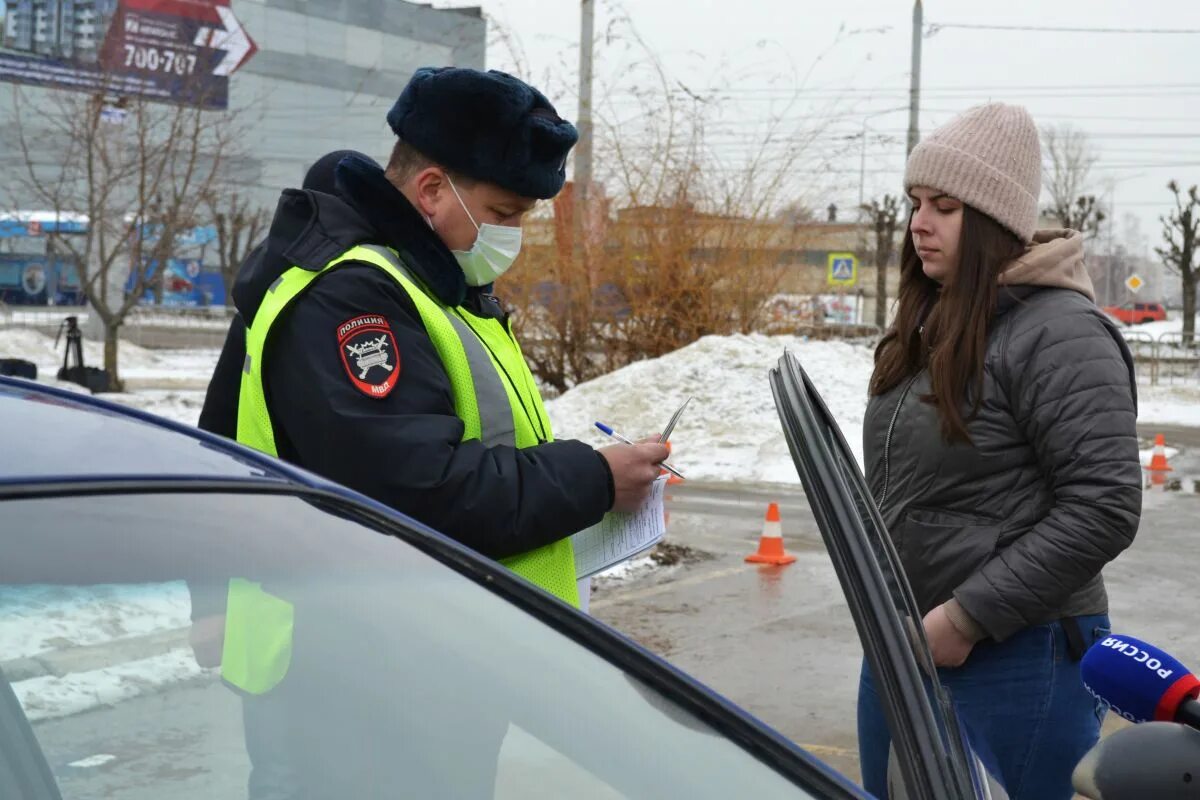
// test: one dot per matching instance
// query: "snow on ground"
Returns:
(1173, 324)
(39, 619)
(180, 405)
(729, 433)
(1169, 405)
(626, 570)
(138, 366)
(35, 619)
(731, 430)
(51, 696)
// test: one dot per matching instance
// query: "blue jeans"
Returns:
(1022, 704)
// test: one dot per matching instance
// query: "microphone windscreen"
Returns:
(1137, 680)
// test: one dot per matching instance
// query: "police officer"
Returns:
(377, 356)
(219, 413)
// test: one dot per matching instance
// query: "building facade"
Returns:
(323, 78)
(325, 74)
(63, 29)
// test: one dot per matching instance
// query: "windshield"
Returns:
(234, 645)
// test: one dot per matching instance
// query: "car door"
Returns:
(412, 667)
(931, 756)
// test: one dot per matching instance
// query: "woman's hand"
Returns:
(950, 648)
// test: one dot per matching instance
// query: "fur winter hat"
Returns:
(487, 125)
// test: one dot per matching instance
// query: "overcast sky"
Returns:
(846, 60)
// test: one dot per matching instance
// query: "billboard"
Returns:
(30, 280)
(186, 283)
(170, 50)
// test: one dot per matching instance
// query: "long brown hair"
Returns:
(944, 327)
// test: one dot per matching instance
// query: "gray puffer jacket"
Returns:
(1015, 528)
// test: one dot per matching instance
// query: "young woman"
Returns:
(1001, 448)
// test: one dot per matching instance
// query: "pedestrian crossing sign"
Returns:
(843, 269)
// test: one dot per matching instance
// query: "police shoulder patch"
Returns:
(369, 354)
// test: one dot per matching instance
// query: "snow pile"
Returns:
(1169, 405)
(178, 405)
(35, 619)
(138, 366)
(627, 570)
(51, 696)
(1173, 324)
(40, 619)
(731, 431)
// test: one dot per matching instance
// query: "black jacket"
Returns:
(404, 449)
(1017, 526)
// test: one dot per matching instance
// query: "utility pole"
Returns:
(914, 92)
(862, 168)
(583, 150)
(1113, 279)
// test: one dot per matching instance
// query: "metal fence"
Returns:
(1169, 360)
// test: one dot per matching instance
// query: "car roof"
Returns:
(52, 434)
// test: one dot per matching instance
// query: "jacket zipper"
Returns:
(887, 445)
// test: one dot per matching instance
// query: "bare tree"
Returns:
(693, 239)
(1069, 160)
(1181, 234)
(239, 226)
(885, 219)
(136, 170)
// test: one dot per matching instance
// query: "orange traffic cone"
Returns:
(770, 544)
(1158, 462)
(672, 478)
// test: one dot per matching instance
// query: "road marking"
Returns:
(669, 586)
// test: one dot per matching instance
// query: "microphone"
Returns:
(1141, 683)
(1158, 759)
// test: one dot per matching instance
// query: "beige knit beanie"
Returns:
(989, 158)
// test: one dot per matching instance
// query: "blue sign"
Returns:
(16, 227)
(38, 280)
(192, 237)
(186, 283)
(843, 269)
(22, 225)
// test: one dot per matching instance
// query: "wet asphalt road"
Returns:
(779, 640)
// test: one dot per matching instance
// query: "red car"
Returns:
(1137, 313)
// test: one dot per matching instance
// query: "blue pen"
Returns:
(607, 431)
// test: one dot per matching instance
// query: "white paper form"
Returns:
(618, 537)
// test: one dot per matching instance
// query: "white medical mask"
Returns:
(495, 249)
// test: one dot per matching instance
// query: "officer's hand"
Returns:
(634, 470)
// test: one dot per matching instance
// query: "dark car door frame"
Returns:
(932, 755)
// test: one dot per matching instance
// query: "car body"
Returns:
(414, 667)
(1137, 313)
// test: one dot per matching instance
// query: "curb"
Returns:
(57, 663)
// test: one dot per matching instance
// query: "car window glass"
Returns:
(234, 645)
